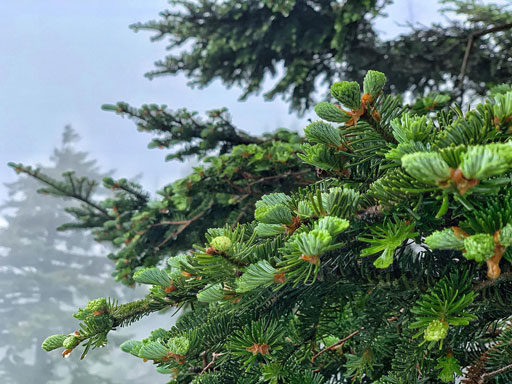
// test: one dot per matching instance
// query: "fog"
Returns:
(46, 274)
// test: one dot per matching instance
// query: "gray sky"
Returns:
(62, 59)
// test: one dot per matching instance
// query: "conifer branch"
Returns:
(386, 135)
(184, 224)
(390, 230)
(19, 168)
(336, 345)
(241, 214)
(183, 127)
(279, 176)
(131, 191)
(490, 375)
(125, 314)
(505, 276)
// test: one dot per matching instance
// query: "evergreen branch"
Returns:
(247, 190)
(241, 214)
(123, 185)
(19, 168)
(490, 375)
(336, 345)
(269, 298)
(344, 42)
(506, 276)
(276, 177)
(181, 127)
(382, 131)
(184, 224)
(125, 314)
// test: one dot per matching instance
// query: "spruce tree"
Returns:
(45, 273)
(373, 250)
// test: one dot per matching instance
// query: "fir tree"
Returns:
(391, 268)
(44, 273)
(374, 250)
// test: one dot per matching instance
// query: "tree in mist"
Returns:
(44, 272)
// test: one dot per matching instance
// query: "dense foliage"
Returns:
(373, 273)
(301, 43)
(222, 189)
(375, 249)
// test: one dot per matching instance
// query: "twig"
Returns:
(489, 375)
(476, 370)
(132, 192)
(469, 47)
(185, 224)
(248, 189)
(175, 222)
(280, 176)
(239, 217)
(238, 188)
(214, 357)
(492, 282)
(74, 195)
(336, 345)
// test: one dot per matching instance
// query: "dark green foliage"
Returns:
(371, 274)
(382, 257)
(242, 42)
(222, 189)
(173, 128)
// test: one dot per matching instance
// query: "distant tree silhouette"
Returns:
(41, 270)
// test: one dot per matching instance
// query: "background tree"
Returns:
(45, 273)
(305, 43)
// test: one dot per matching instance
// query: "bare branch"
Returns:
(184, 225)
(336, 345)
(469, 47)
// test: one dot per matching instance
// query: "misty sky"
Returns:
(61, 59)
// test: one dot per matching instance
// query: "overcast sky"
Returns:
(62, 59)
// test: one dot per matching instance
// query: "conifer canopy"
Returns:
(376, 248)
